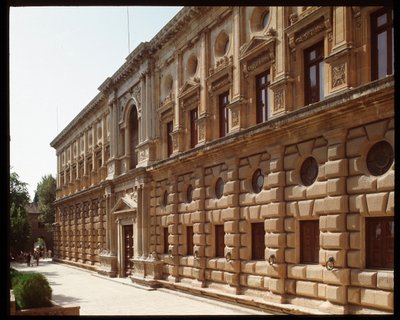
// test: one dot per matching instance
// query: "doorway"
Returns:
(128, 249)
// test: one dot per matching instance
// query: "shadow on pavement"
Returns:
(64, 300)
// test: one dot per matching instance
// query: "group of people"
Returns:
(31, 257)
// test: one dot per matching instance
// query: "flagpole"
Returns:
(129, 44)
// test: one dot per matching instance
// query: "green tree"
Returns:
(46, 195)
(20, 233)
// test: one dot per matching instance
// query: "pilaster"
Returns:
(334, 237)
(274, 215)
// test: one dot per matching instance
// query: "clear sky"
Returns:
(59, 56)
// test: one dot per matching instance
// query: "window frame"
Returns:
(223, 114)
(263, 91)
(318, 62)
(219, 240)
(189, 194)
(193, 117)
(219, 184)
(165, 237)
(189, 240)
(257, 237)
(169, 128)
(370, 261)
(305, 250)
(375, 31)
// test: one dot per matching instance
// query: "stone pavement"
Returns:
(99, 295)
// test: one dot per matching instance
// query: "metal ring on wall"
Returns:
(196, 255)
(271, 259)
(228, 257)
(330, 263)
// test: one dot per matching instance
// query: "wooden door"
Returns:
(309, 241)
(128, 248)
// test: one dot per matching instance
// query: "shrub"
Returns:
(14, 275)
(31, 290)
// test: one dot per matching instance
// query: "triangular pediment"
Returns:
(126, 203)
(255, 43)
(187, 87)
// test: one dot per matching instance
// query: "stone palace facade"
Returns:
(247, 151)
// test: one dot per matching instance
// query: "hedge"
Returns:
(31, 290)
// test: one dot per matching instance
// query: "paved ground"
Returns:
(98, 295)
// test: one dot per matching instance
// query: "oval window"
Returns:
(219, 188)
(258, 181)
(309, 171)
(165, 199)
(191, 66)
(380, 158)
(189, 194)
(265, 19)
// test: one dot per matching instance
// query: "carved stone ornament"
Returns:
(175, 142)
(110, 168)
(168, 99)
(338, 75)
(191, 100)
(220, 83)
(220, 64)
(278, 100)
(309, 32)
(235, 118)
(259, 60)
(293, 18)
(137, 94)
(202, 133)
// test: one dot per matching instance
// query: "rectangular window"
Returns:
(379, 238)
(219, 240)
(262, 96)
(189, 240)
(257, 241)
(382, 43)
(223, 114)
(309, 241)
(193, 128)
(314, 73)
(169, 138)
(165, 240)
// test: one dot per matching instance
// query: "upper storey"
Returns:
(214, 71)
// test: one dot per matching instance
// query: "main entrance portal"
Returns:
(128, 249)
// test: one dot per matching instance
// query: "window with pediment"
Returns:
(223, 114)
(382, 43)
(263, 96)
(193, 116)
(134, 136)
(314, 73)
(168, 130)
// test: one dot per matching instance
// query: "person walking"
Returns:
(28, 259)
(37, 256)
(31, 259)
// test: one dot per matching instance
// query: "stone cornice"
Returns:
(143, 51)
(89, 110)
(334, 105)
